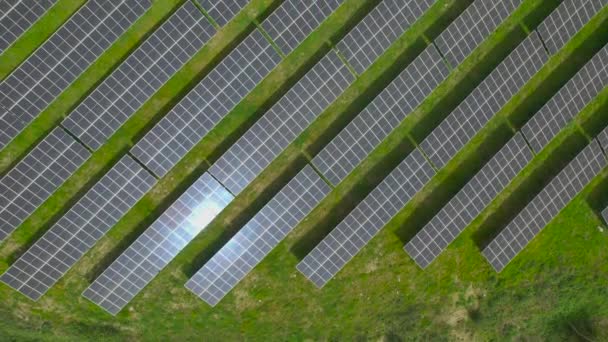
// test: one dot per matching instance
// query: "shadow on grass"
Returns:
(40, 135)
(451, 182)
(545, 166)
(466, 84)
(558, 78)
(345, 202)
(128, 239)
(38, 233)
(247, 208)
(382, 80)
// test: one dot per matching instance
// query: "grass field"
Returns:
(554, 290)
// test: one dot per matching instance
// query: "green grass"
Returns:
(37, 34)
(555, 290)
(65, 102)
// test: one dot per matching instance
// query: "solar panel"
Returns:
(472, 27)
(485, 101)
(379, 29)
(222, 11)
(28, 90)
(568, 101)
(381, 116)
(36, 177)
(282, 123)
(602, 138)
(294, 20)
(158, 245)
(214, 97)
(259, 236)
(565, 21)
(16, 16)
(79, 229)
(140, 76)
(545, 206)
(366, 220)
(471, 200)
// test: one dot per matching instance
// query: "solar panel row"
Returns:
(485, 101)
(379, 29)
(563, 23)
(37, 176)
(545, 206)
(568, 101)
(366, 220)
(259, 236)
(28, 90)
(140, 76)
(16, 16)
(214, 97)
(79, 229)
(472, 27)
(464, 207)
(381, 116)
(222, 11)
(282, 123)
(158, 245)
(294, 20)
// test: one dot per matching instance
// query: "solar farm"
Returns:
(304, 170)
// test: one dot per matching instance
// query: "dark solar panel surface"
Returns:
(545, 206)
(282, 123)
(158, 245)
(147, 69)
(259, 236)
(26, 186)
(471, 200)
(366, 220)
(79, 229)
(205, 105)
(16, 16)
(30, 88)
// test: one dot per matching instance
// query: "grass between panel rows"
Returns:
(80, 88)
(33, 37)
(558, 293)
(104, 158)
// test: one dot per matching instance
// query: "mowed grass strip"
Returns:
(104, 158)
(417, 125)
(153, 110)
(85, 83)
(556, 72)
(37, 34)
(244, 115)
(382, 295)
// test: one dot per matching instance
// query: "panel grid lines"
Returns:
(158, 245)
(464, 207)
(472, 27)
(568, 101)
(212, 99)
(222, 11)
(28, 90)
(366, 220)
(17, 16)
(294, 20)
(379, 29)
(25, 187)
(544, 207)
(381, 116)
(282, 123)
(566, 20)
(79, 229)
(140, 76)
(485, 101)
(259, 236)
